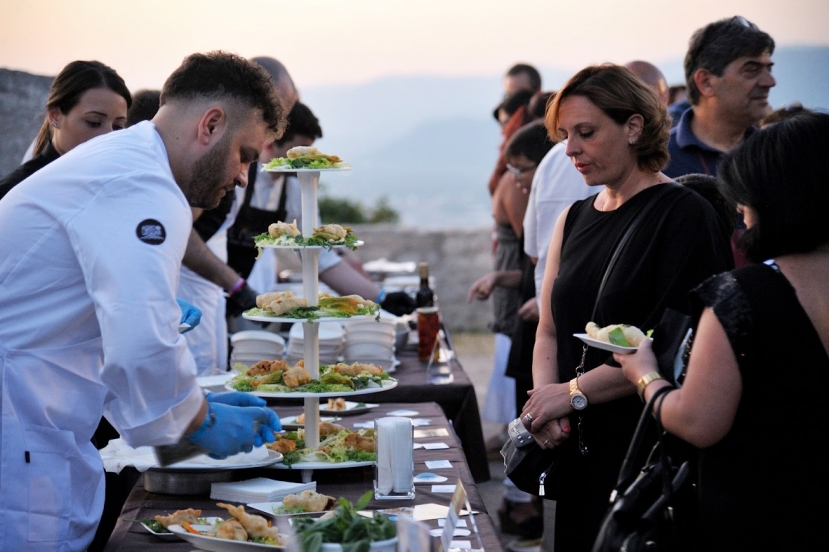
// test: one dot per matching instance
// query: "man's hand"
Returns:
(241, 300)
(398, 303)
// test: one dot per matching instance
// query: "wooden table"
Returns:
(350, 483)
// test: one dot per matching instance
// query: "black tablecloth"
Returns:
(350, 483)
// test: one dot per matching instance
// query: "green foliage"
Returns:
(345, 211)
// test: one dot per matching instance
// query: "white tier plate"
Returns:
(292, 169)
(168, 535)
(212, 544)
(387, 384)
(357, 243)
(323, 465)
(246, 316)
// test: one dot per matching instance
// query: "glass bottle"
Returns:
(424, 297)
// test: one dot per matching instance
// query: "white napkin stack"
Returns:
(260, 489)
(395, 466)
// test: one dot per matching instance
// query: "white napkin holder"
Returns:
(394, 471)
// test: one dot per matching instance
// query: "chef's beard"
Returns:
(207, 180)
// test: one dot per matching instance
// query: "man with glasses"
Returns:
(728, 75)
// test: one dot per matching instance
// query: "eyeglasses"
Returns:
(517, 173)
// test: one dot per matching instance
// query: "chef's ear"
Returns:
(211, 121)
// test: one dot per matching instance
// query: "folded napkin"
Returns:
(260, 489)
(395, 466)
(118, 454)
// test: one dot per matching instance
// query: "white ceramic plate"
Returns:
(246, 316)
(169, 535)
(291, 423)
(357, 243)
(387, 384)
(272, 458)
(322, 465)
(269, 507)
(350, 408)
(212, 544)
(605, 345)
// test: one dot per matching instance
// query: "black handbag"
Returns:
(652, 508)
(531, 468)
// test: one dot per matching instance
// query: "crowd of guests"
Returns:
(723, 195)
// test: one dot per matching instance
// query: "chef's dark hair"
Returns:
(301, 122)
(780, 173)
(224, 76)
(68, 87)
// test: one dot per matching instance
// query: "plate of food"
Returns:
(158, 525)
(240, 461)
(306, 158)
(284, 306)
(240, 533)
(616, 338)
(305, 503)
(277, 379)
(288, 236)
(338, 447)
(343, 407)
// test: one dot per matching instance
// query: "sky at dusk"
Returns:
(325, 42)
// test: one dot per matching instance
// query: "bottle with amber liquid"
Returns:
(424, 297)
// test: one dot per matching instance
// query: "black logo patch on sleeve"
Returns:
(151, 231)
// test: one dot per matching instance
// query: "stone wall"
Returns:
(22, 100)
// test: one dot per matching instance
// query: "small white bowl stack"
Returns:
(370, 341)
(330, 342)
(251, 346)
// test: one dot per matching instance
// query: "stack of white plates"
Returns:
(369, 339)
(251, 346)
(330, 342)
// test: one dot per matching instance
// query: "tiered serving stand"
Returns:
(309, 185)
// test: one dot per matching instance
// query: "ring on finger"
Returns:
(546, 442)
(529, 418)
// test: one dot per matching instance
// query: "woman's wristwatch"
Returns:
(578, 400)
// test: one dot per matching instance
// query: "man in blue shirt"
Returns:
(728, 74)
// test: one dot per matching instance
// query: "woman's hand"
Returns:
(642, 362)
(546, 404)
(482, 288)
(553, 434)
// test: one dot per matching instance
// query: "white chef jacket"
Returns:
(556, 185)
(266, 194)
(90, 248)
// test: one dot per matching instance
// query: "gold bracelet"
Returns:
(645, 380)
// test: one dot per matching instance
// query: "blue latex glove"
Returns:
(229, 429)
(190, 315)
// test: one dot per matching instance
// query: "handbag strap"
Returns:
(631, 228)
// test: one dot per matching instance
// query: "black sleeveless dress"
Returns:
(763, 486)
(674, 249)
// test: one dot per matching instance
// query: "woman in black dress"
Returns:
(86, 99)
(617, 136)
(754, 397)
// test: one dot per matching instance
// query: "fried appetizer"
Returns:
(232, 530)
(359, 442)
(336, 404)
(178, 517)
(267, 367)
(283, 446)
(310, 501)
(618, 334)
(357, 368)
(283, 229)
(280, 302)
(331, 232)
(296, 376)
(310, 152)
(256, 526)
(330, 428)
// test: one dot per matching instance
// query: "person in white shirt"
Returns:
(90, 251)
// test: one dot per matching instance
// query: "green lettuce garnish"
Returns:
(617, 337)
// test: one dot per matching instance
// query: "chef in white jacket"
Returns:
(90, 251)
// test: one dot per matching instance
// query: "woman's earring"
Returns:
(632, 141)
